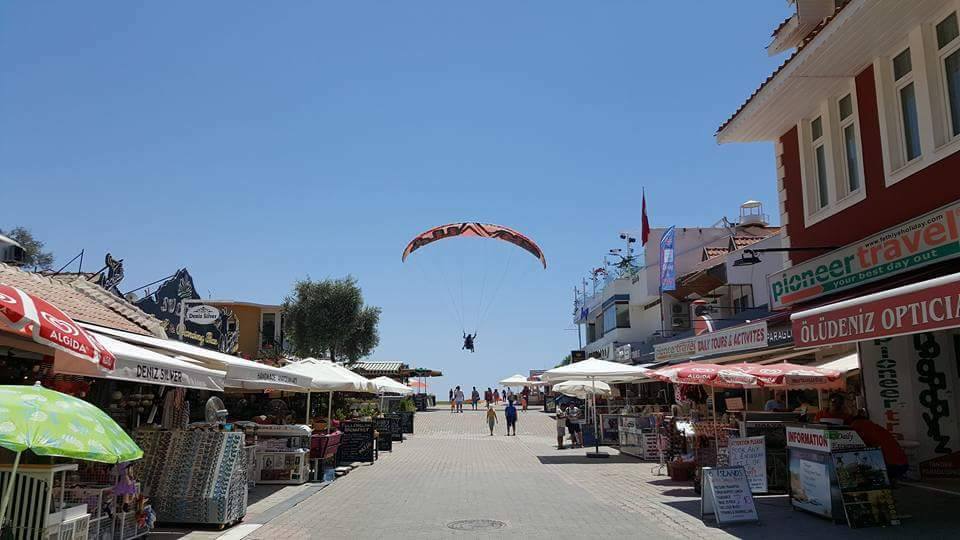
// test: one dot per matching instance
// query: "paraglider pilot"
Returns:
(468, 341)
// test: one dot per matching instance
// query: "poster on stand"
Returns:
(811, 482)
(751, 454)
(865, 488)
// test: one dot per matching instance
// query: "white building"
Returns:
(625, 318)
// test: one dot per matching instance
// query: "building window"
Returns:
(948, 51)
(820, 162)
(591, 333)
(623, 315)
(918, 97)
(831, 160)
(851, 154)
(907, 98)
(268, 329)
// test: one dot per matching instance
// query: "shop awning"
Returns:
(327, 376)
(241, 374)
(137, 364)
(925, 306)
(844, 364)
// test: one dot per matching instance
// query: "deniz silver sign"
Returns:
(202, 314)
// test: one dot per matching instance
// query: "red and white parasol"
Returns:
(787, 375)
(712, 375)
(34, 317)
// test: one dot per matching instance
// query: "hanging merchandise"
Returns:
(194, 476)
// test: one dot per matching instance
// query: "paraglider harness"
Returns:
(468, 341)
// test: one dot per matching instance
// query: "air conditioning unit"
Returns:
(680, 322)
(11, 252)
(679, 309)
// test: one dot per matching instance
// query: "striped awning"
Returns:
(379, 368)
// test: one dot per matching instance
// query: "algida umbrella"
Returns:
(49, 423)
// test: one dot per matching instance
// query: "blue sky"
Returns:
(257, 143)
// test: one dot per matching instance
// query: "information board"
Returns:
(865, 488)
(356, 443)
(751, 454)
(726, 495)
(384, 434)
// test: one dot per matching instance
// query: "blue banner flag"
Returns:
(668, 268)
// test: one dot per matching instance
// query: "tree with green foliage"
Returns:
(329, 318)
(566, 360)
(34, 255)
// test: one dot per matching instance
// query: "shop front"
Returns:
(909, 346)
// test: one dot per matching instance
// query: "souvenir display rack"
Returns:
(194, 476)
(38, 508)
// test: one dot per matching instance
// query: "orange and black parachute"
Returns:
(481, 230)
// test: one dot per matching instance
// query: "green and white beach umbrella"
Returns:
(50, 423)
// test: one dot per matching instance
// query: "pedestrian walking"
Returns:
(491, 418)
(496, 396)
(561, 427)
(458, 398)
(475, 397)
(573, 415)
(488, 397)
(524, 397)
(510, 413)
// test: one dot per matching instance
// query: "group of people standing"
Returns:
(490, 396)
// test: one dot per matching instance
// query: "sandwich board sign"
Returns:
(727, 496)
(751, 453)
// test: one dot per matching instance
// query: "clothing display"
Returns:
(194, 476)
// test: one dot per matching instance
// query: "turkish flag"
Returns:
(645, 227)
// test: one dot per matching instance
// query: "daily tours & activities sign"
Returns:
(736, 338)
(931, 238)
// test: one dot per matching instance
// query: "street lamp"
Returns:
(750, 257)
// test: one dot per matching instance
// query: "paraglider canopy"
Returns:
(482, 230)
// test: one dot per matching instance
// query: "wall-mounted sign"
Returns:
(928, 239)
(220, 333)
(911, 386)
(920, 307)
(733, 339)
(202, 314)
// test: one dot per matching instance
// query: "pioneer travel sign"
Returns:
(934, 237)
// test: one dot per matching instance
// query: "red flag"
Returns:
(645, 228)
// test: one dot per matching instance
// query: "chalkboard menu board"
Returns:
(384, 434)
(356, 443)
(406, 422)
(420, 401)
(396, 429)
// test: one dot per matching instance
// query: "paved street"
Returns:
(450, 470)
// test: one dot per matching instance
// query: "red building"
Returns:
(864, 115)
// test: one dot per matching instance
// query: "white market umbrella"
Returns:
(595, 370)
(386, 385)
(330, 377)
(515, 380)
(581, 389)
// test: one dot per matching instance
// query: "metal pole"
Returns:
(307, 421)
(329, 411)
(596, 419)
(9, 491)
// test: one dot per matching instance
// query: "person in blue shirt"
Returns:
(510, 413)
